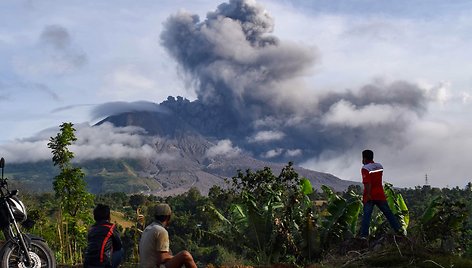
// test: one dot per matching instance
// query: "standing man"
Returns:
(154, 248)
(374, 194)
(104, 247)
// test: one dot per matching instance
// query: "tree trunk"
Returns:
(60, 235)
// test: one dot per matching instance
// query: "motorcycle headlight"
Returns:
(19, 210)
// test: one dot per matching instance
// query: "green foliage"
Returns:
(271, 217)
(101, 176)
(397, 205)
(306, 187)
(136, 201)
(71, 191)
(72, 197)
(342, 216)
(69, 185)
(262, 218)
(62, 156)
(115, 200)
(445, 220)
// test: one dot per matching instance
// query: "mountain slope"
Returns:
(181, 162)
(184, 136)
(182, 152)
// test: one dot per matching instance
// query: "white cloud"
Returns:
(103, 141)
(466, 96)
(223, 148)
(344, 113)
(357, 46)
(440, 92)
(273, 153)
(107, 141)
(21, 151)
(266, 136)
(294, 152)
(437, 148)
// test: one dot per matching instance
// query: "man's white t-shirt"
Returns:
(154, 240)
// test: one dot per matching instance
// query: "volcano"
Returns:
(186, 136)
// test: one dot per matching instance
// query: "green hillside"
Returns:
(101, 175)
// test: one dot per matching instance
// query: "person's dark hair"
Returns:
(368, 154)
(161, 218)
(101, 213)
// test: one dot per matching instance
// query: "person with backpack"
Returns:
(104, 248)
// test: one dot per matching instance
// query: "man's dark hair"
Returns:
(101, 213)
(161, 218)
(368, 154)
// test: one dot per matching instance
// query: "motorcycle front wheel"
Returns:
(40, 254)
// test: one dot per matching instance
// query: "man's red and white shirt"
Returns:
(372, 174)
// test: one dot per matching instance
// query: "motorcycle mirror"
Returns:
(2, 165)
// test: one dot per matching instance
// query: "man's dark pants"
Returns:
(383, 206)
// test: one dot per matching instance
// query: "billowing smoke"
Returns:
(253, 80)
(233, 58)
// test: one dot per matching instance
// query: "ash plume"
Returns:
(251, 82)
(233, 58)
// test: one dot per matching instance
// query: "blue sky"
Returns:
(60, 59)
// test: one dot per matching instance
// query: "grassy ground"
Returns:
(395, 253)
(391, 252)
(390, 258)
(119, 218)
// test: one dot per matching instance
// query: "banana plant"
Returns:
(397, 205)
(342, 216)
(445, 220)
(305, 229)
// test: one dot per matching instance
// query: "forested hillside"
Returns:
(264, 218)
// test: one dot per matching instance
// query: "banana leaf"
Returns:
(404, 210)
(353, 210)
(342, 215)
(397, 205)
(218, 214)
(431, 211)
(306, 187)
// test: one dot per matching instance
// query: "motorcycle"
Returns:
(20, 250)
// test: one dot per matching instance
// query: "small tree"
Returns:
(71, 194)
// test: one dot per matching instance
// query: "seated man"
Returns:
(154, 244)
(104, 247)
